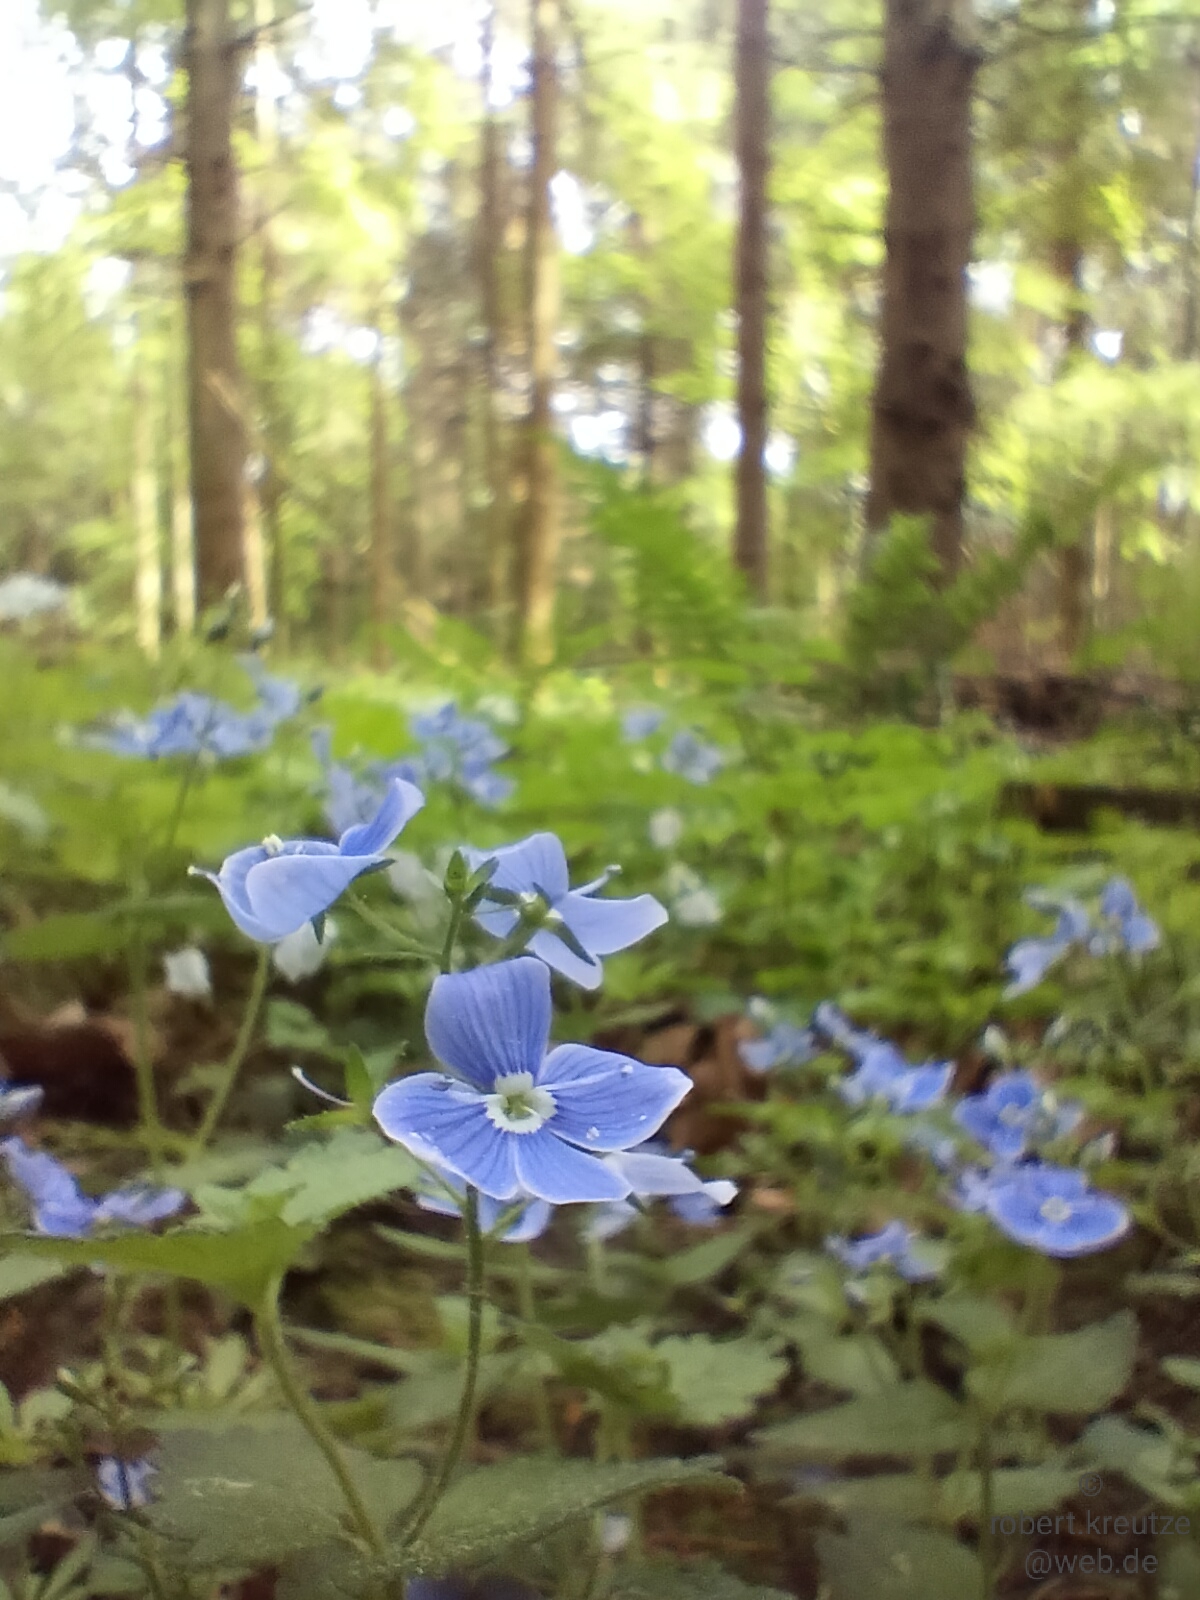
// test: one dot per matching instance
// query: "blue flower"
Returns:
(536, 869)
(640, 722)
(689, 757)
(461, 750)
(62, 1211)
(1013, 1113)
(784, 1045)
(884, 1075)
(652, 1173)
(124, 1485)
(529, 1223)
(468, 1589)
(274, 888)
(835, 1025)
(514, 1120)
(280, 698)
(895, 1246)
(1030, 959)
(1052, 1210)
(17, 1100)
(1129, 927)
(703, 1209)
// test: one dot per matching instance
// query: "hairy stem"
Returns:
(241, 1048)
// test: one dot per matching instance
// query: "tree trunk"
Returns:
(538, 544)
(922, 412)
(217, 434)
(488, 242)
(270, 485)
(1072, 559)
(381, 531)
(183, 551)
(143, 506)
(751, 74)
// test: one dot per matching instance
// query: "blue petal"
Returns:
(1117, 899)
(286, 891)
(536, 863)
(499, 921)
(1140, 934)
(429, 1112)
(399, 806)
(921, 1087)
(605, 926)
(550, 949)
(759, 1055)
(231, 882)
(554, 1170)
(491, 1021)
(603, 1105)
(140, 1205)
(648, 1174)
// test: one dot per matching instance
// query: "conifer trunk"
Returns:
(183, 553)
(539, 523)
(143, 506)
(922, 411)
(215, 424)
(381, 531)
(752, 142)
(488, 242)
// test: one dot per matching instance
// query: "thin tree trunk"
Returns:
(1072, 559)
(143, 506)
(1191, 296)
(217, 435)
(183, 551)
(751, 75)
(270, 486)
(488, 242)
(922, 412)
(381, 531)
(540, 520)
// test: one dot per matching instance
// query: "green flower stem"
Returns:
(181, 798)
(527, 1305)
(456, 916)
(151, 1129)
(241, 1048)
(269, 1329)
(987, 1538)
(436, 1484)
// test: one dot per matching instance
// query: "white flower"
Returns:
(300, 954)
(187, 973)
(700, 909)
(27, 595)
(616, 1530)
(666, 828)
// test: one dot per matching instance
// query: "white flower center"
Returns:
(517, 1106)
(272, 844)
(1056, 1210)
(1013, 1116)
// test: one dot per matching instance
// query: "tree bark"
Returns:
(183, 551)
(539, 524)
(381, 530)
(1072, 559)
(143, 506)
(751, 74)
(488, 242)
(216, 429)
(922, 412)
(270, 487)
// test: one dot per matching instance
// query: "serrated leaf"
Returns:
(492, 1508)
(896, 1561)
(915, 1418)
(333, 1176)
(242, 1261)
(718, 1380)
(247, 1496)
(1067, 1373)
(705, 1581)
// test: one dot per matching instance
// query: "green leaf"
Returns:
(329, 1177)
(718, 1380)
(19, 1273)
(979, 1324)
(242, 1261)
(1183, 1369)
(915, 1418)
(492, 1508)
(858, 1362)
(247, 1496)
(291, 1026)
(665, 1581)
(702, 1262)
(895, 1561)
(1060, 1372)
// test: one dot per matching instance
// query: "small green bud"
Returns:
(458, 876)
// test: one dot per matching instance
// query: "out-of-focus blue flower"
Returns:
(280, 698)
(941, 1149)
(1029, 960)
(274, 888)
(60, 1208)
(529, 1223)
(196, 724)
(349, 798)
(703, 1209)
(653, 1172)
(784, 1045)
(970, 1189)
(689, 757)
(833, 1023)
(884, 1075)
(468, 1589)
(1013, 1114)
(514, 1120)
(640, 722)
(1053, 1210)
(1128, 927)
(19, 1100)
(895, 1246)
(27, 594)
(536, 869)
(461, 750)
(124, 1485)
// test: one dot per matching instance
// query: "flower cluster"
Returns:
(460, 750)
(882, 1075)
(195, 724)
(1120, 925)
(61, 1209)
(1051, 1209)
(686, 755)
(895, 1246)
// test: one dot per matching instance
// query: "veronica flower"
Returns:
(1053, 1210)
(462, 750)
(529, 1223)
(468, 1589)
(124, 1485)
(653, 1173)
(274, 888)
(895, 1246)
(689, 757)
(534, 873)
(62, 1211)
(640, 722)
(1013, 1113)
(1030, 959)
(784, 1045)
(186, 973)
(510, 1119)
(832, 1022)
(1129, 928)
(280, 698)
(884, 1075)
